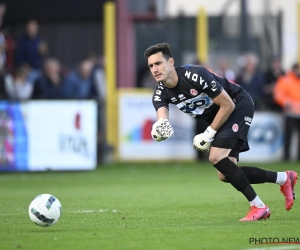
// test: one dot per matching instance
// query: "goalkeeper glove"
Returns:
(161, 130)
(202, 142)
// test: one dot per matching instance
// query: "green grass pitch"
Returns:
(165, 206)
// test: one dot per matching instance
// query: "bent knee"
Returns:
(221, 176)
(217, 155)
(214, 159)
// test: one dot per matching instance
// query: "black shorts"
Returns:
(233, 133)
(239, 146)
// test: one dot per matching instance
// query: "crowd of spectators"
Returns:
(258, 83)
(29, 71)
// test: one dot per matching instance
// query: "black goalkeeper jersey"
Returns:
(194, 92)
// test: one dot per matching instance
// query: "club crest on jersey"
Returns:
(213, 86)
(193, 92)
(235, 127)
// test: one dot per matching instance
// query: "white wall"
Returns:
(255, 7)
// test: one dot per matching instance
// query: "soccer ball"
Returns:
(45, 210)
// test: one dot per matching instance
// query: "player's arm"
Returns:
(202, 142)
(163, 113)
(162, 129)
(226, 108)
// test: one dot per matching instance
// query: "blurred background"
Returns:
(76, 90)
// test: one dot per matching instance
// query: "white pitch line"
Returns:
(93, 211)
(85, 211)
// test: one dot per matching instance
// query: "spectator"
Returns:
(98, 76)
(30, 47)
(17, 86)
(79, 82)
(50, 84)
(287, 95)
(100, 82)
(251, 79)
(225, 71)
(271, 76)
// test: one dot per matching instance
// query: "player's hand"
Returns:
(202, 142)
(161, 130)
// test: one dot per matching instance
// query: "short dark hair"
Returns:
(164, 48)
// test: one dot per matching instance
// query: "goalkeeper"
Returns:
(229, 110)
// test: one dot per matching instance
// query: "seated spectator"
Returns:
(50, 84)
(18, 88)
(272, 74)
(31, 48)
(79, 83)
(251, 79)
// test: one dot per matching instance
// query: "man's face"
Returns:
(86, 68)
(160, 67)
(32, 28)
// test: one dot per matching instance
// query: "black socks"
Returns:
(257, 176)
(236, 177)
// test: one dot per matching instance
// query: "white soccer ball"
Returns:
(45, 210)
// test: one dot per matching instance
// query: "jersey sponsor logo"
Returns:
(196, 105)
(213, 86)
(181, 97)
(235, 127)
(195, 78)
(194, 92)
(158, 92)
(203, 82)
(157, 98)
